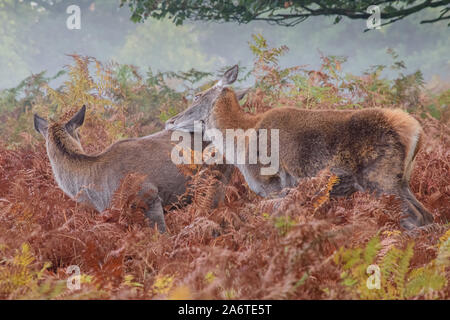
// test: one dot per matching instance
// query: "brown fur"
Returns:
(410, 133)
(370, 149)
(93, 179)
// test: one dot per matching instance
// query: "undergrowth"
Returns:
(302, 246)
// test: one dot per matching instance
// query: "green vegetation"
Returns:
(398, 280)
(286, 13)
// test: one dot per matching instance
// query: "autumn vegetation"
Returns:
(302, 246)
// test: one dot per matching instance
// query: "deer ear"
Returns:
(230, 75)
(40, 124)
(240, 94)
(77, 120)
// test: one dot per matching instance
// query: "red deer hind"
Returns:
(93, 179)
(369, 149)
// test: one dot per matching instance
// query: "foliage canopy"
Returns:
(281, 12)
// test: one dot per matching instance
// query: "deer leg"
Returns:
(155, 213)
(418, 215)
(344, 188)
(387, 176)
(263, 185)
(224, 175)
(153, 206)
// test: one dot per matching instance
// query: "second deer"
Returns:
(369, 150)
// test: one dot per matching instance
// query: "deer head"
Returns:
(70, 127)
(203, 103)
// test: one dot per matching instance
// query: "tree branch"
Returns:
(275, 11)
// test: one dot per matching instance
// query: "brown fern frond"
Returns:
(128, 202)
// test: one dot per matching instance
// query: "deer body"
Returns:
(369, 150)
(364, 144)
(93, 179)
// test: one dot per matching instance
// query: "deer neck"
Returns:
(228, 114)
(71, 168)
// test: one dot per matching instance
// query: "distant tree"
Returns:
(281, 12)
(161, 44)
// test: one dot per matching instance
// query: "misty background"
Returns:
(33, 40)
